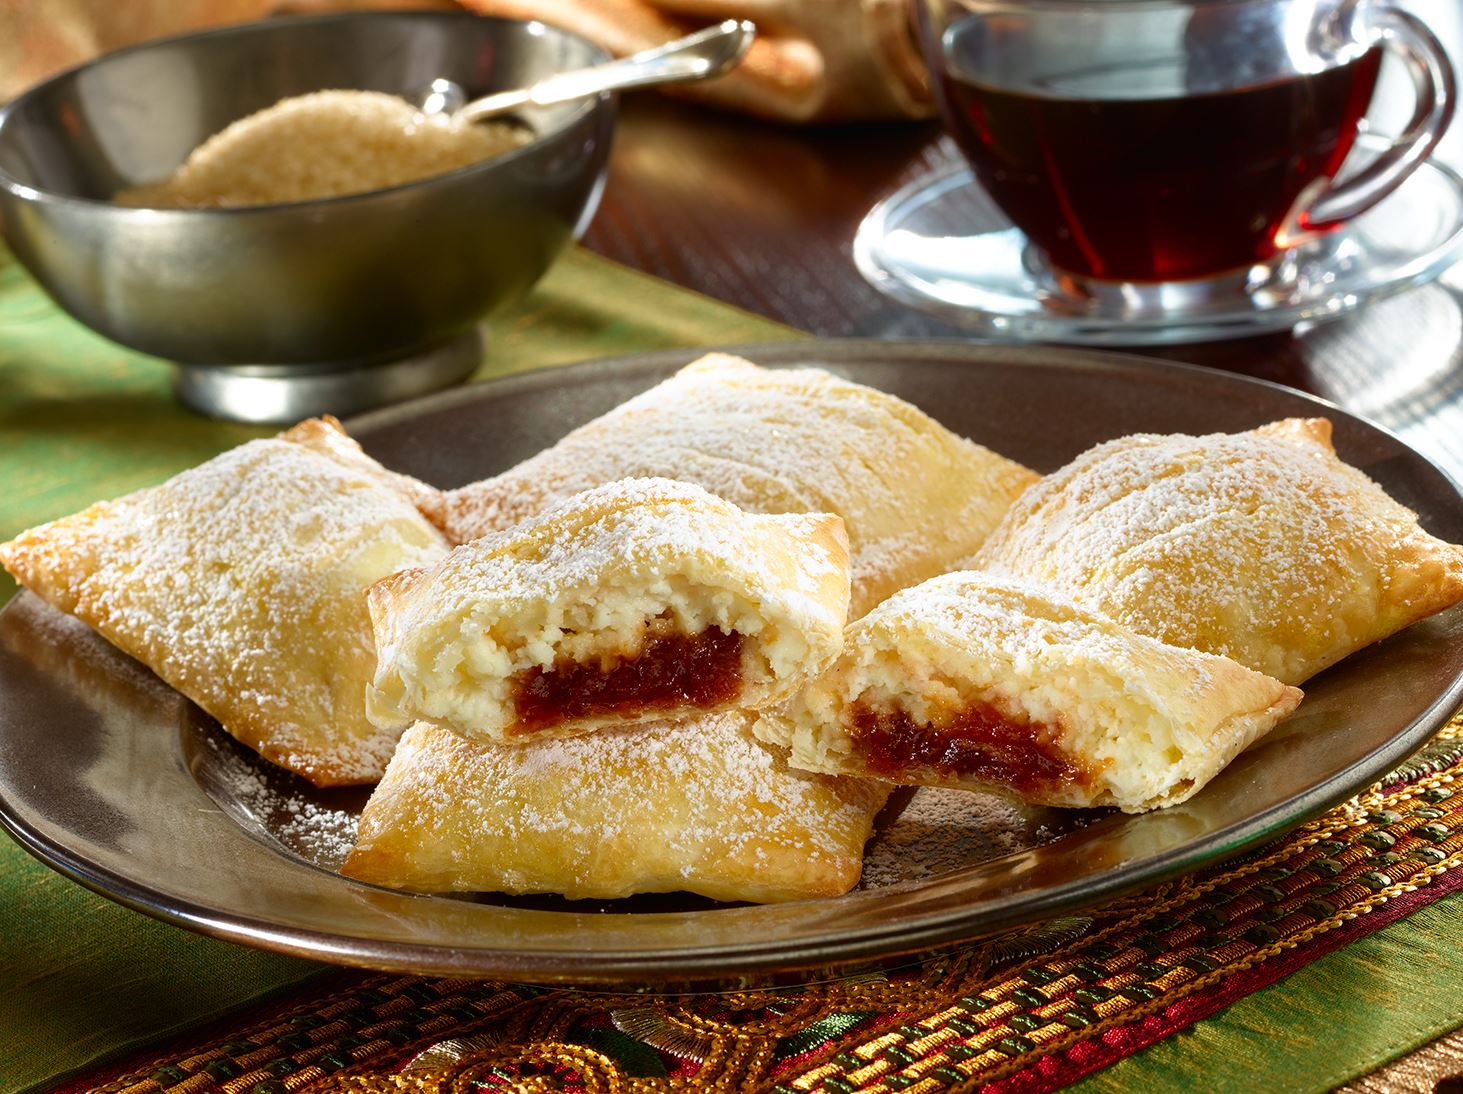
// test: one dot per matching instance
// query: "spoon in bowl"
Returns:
(698, 56)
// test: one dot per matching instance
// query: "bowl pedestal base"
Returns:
(284, 394)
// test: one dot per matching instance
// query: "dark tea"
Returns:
(1127, 176)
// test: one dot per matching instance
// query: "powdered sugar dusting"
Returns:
(695, 805)
(629, 527)
(914, 496)
(1260, 546)
(587, 582)
(713, 756)
(323, 835)
(1142, 723)
(240, 582)
(973, 609)
(318, 826)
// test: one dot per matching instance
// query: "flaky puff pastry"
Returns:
(696, 805)
(987, 684)
(241, 582)
(638, 600)
(914, 497)
(1260, 546)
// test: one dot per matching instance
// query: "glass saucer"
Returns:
(941, 245)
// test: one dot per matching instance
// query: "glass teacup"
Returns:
(1137, 142)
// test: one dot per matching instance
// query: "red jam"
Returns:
(978, 742)
(670, 671)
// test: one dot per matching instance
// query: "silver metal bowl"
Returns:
(278, 311)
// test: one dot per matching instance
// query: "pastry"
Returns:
(987, 684)
(1260, 546)
(641, 599)
(696, 805)
(241, 583)
(914, 497)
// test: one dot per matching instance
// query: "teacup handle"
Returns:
(1432, 78)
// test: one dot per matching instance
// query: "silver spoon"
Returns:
(698, 56)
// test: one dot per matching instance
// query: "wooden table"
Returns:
(763, 217)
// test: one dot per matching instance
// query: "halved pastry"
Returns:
(637, 600)
(241, 582)
(695, 806)
(914, 496)
(1260, 546)
(987, 684)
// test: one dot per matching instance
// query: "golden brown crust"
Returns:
(914, 497)
(240, 583)
(984, 683)
(567, 604)
(694, 806)
(1315, 431)
(1260, 546)
(327, 437)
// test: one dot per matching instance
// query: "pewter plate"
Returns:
(116, 781)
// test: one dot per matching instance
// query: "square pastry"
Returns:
(638, 600)
(986, 684)
(696, 805)
(914, 497)
(241, 582)
(1261, 546)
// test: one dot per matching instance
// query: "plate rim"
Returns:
(790, 353)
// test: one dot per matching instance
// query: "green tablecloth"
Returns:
(82, 979)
